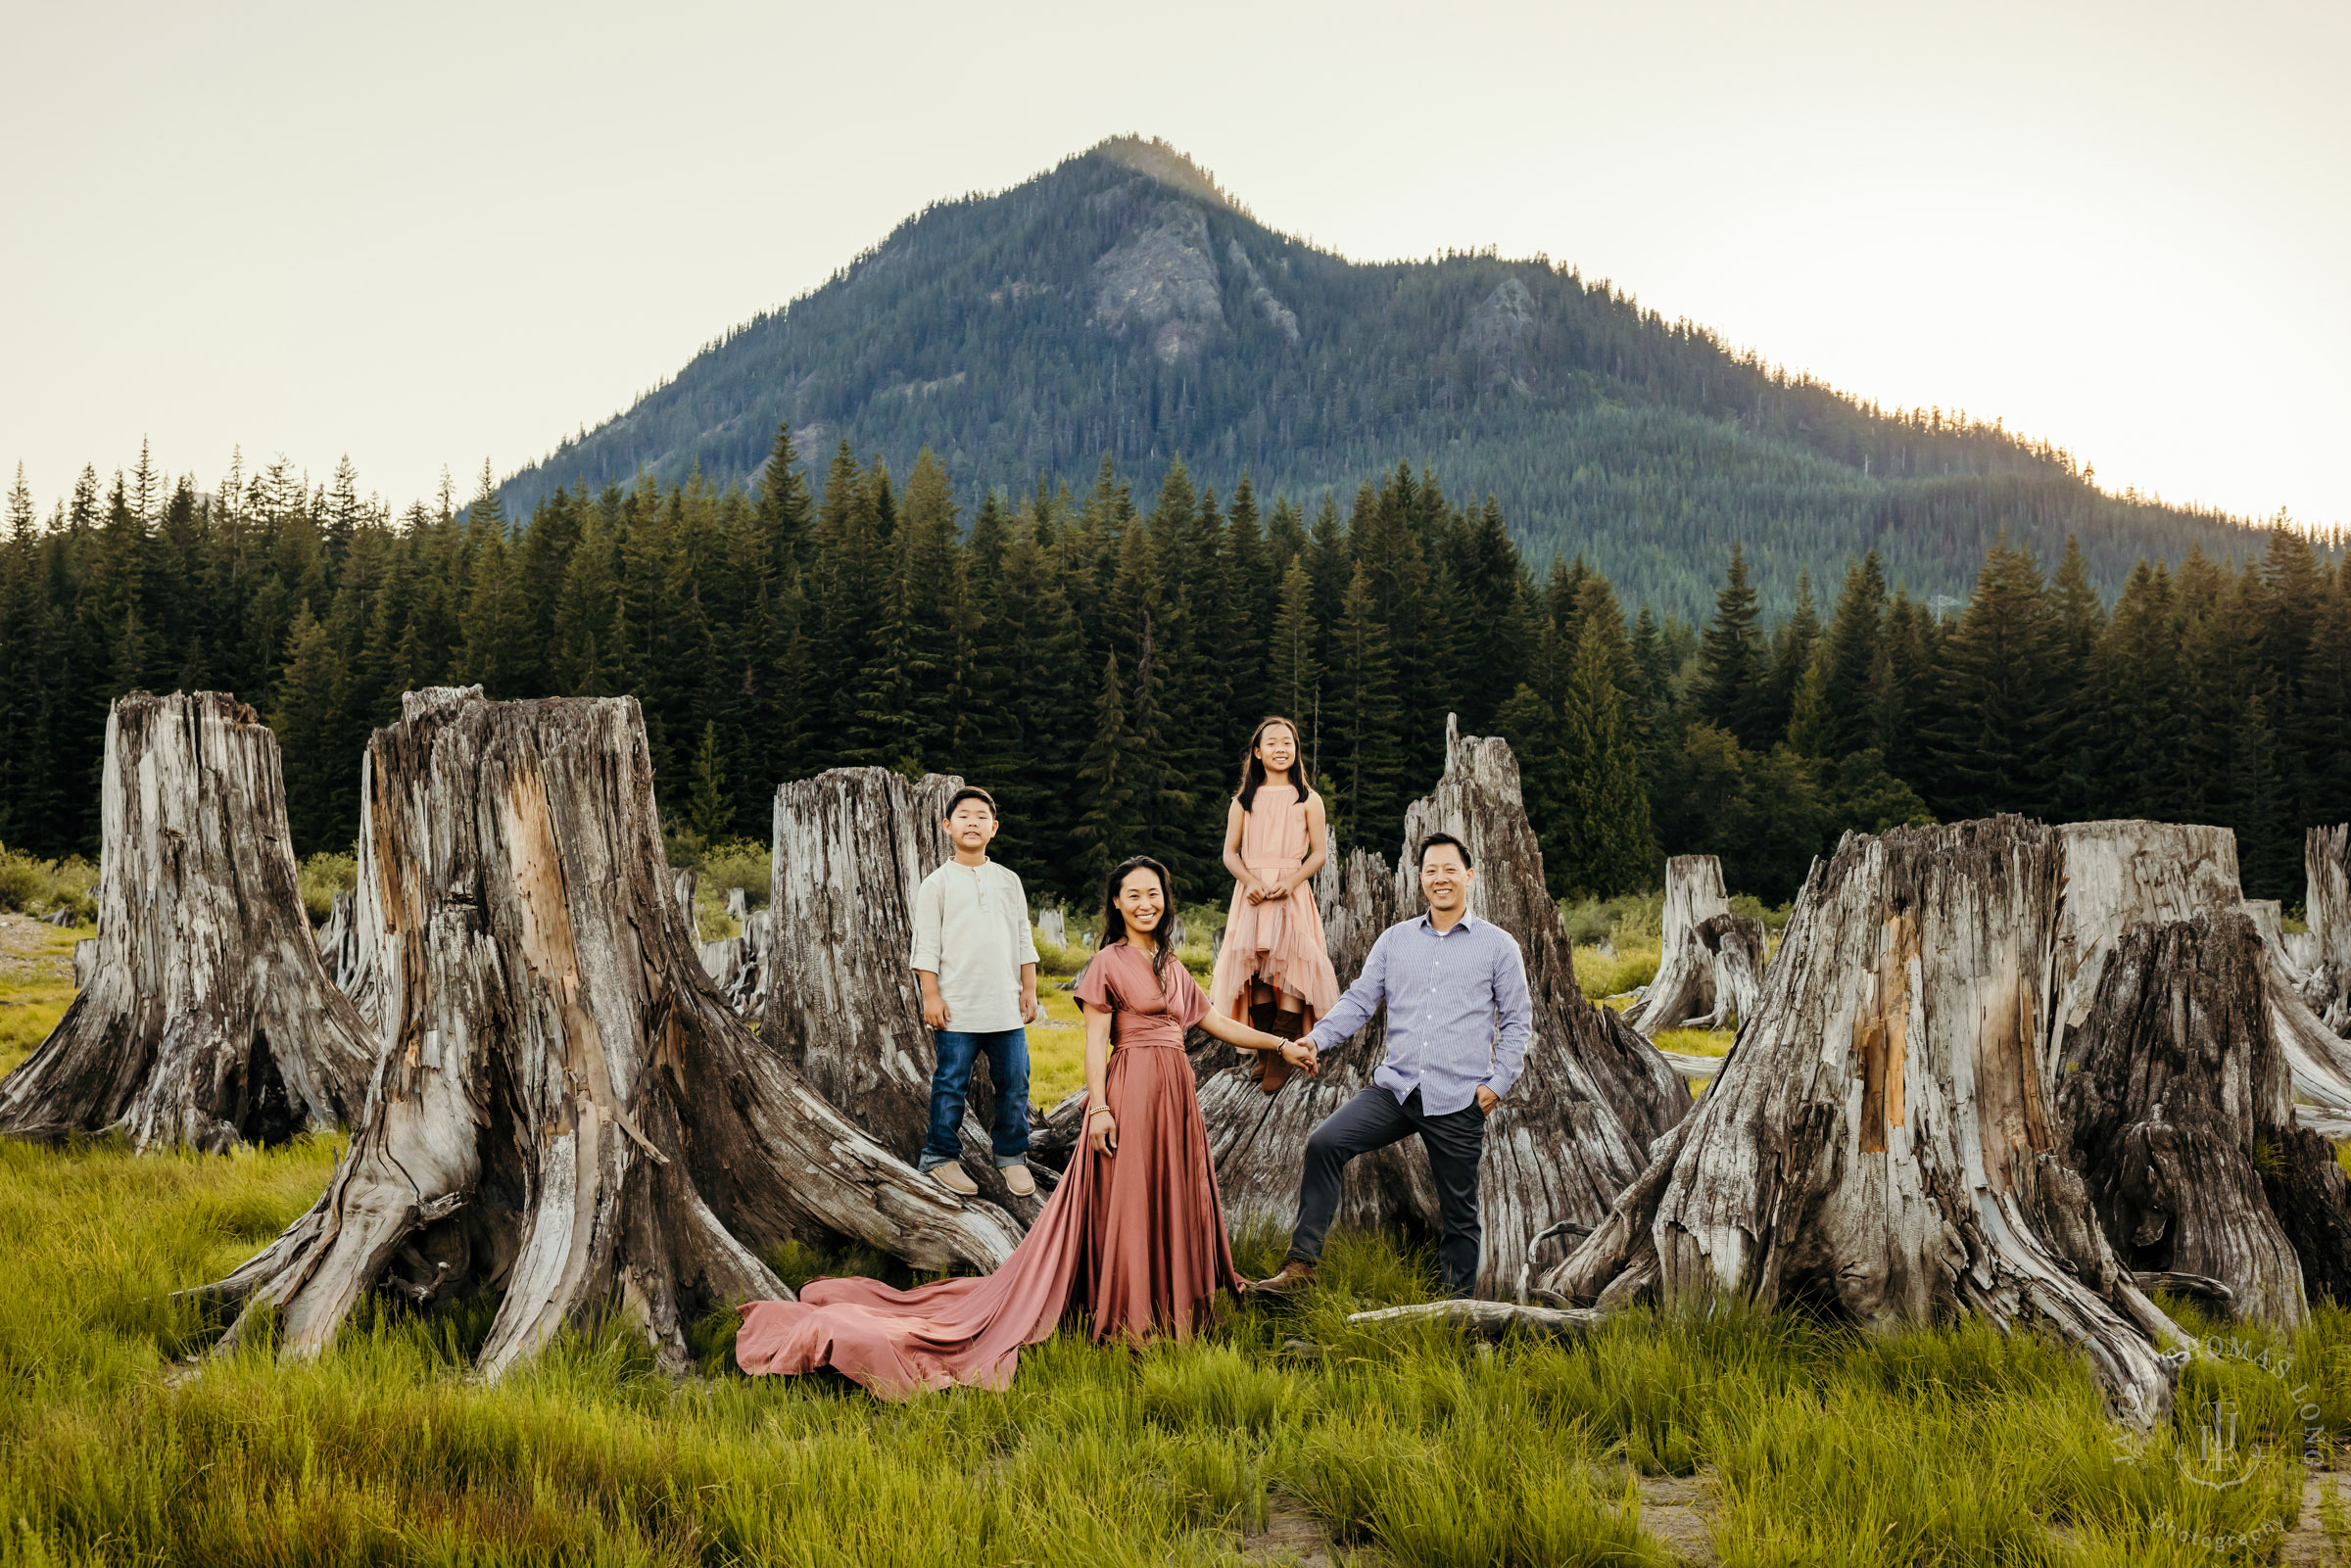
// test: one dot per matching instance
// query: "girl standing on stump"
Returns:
(1275, 966)
(1133, 1235)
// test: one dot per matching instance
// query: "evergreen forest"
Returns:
(1097, 658)
(1122, 302)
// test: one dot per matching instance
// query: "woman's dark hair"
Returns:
(1253, 772)
(1170, 930)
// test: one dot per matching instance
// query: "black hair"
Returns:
(1114, 920)
(1252, 771)
(1435, 839)
(968, 792)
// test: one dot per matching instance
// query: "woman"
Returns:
(1275, 966)
(1133, 1235)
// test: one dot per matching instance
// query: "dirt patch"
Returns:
(1291, 1537)
(35, 951)
(1677, 1511)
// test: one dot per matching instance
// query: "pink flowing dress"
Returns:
(1136, 1238)
(1280, 940)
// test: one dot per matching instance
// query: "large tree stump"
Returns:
(1884, 1139)
(2174, 1094)
(1575, 1128)
(206, 1018)
(568, 1113)
(1258, 1141)
(1710, 961)
(738, 964)
(842, 1004)
(2326, 908)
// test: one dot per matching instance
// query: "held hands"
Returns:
(1300, 1054)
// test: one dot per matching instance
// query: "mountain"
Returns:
(1123, 304)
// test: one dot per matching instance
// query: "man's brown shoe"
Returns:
(1296, 1274)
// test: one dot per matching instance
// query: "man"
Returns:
(977, 965)
(1458, 1023)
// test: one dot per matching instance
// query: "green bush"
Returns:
(731, 864)
(1626, 918)
(321, 878)
(36, 887)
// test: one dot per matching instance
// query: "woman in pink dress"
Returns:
(1134, 1234)
(1275, 966)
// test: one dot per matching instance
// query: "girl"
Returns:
(1275, 966)
(1133, 1235)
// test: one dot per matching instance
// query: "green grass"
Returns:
(36, 982)
(1819, 1445)
(32, 885)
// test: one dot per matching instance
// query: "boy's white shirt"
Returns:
(970, 929)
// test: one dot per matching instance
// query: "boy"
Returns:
(978, 969)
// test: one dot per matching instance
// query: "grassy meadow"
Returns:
(1280, 1435)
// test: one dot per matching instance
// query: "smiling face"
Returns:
(1141, 901)
(1277, 750)
(971, 825)
(1445, 881)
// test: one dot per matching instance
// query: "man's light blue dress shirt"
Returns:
(1459, 1014)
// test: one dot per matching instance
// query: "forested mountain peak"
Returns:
(1123, 304)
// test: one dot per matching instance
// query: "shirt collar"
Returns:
(1467, 922)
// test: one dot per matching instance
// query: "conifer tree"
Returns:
(1293, 666)
(1110, 826)
(1730, 689)
(1997, 717)
(317, 750)
(1607, 836)
(1362, 744)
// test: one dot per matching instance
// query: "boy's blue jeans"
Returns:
(1007, 1065)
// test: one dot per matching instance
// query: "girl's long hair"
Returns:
(1252, 771)
(1169, 930)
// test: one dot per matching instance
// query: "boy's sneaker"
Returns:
(955, 1179)
(1017, 1180)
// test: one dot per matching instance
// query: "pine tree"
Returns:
(710, 812)
(1845, 693)
(1607, 832)
(1293, 666)
(1997, 717)
(1730, 690)
(1364, 744)
(318, 755)
(1110, 826)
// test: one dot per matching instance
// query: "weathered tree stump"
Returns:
(205, 1019)
(1258, 1141)
(568, 1112)
(2174, 1094)
(738, 964)
(1575, 1128)
(1710, 961)
(2326, 908)
(842, 1004)
(339, 944)
(1884, 1140)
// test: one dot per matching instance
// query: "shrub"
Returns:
(35, 887)
(321, 878)
(731, 864)
(1628, 917)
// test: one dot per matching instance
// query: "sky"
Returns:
(430, 236)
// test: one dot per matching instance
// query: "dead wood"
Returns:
(1710, 961)
(205, 1019)
(842, 1006)
(568, 1114)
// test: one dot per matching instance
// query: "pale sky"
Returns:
(427, 235)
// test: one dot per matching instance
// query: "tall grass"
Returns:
(1818, 1444)
(32, 885)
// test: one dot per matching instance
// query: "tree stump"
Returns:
(842, 1004)
(568, 1113)
(206, 1018)
(1884, 1139)
(1258, 1141)
(2173, 1095)
(2326, 910)
(1575, 1128)
(339, 944)
(1710, 961)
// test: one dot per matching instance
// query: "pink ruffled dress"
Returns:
(1136, 1238)
(1277, 941)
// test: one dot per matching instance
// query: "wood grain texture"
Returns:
(2174, 1094)
(2326, 908)
(842, 1004)
(1883, 1139)
(1710, 961)
(206, 1020)
(568, 1112)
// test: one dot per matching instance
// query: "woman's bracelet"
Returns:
(1098, 1111)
